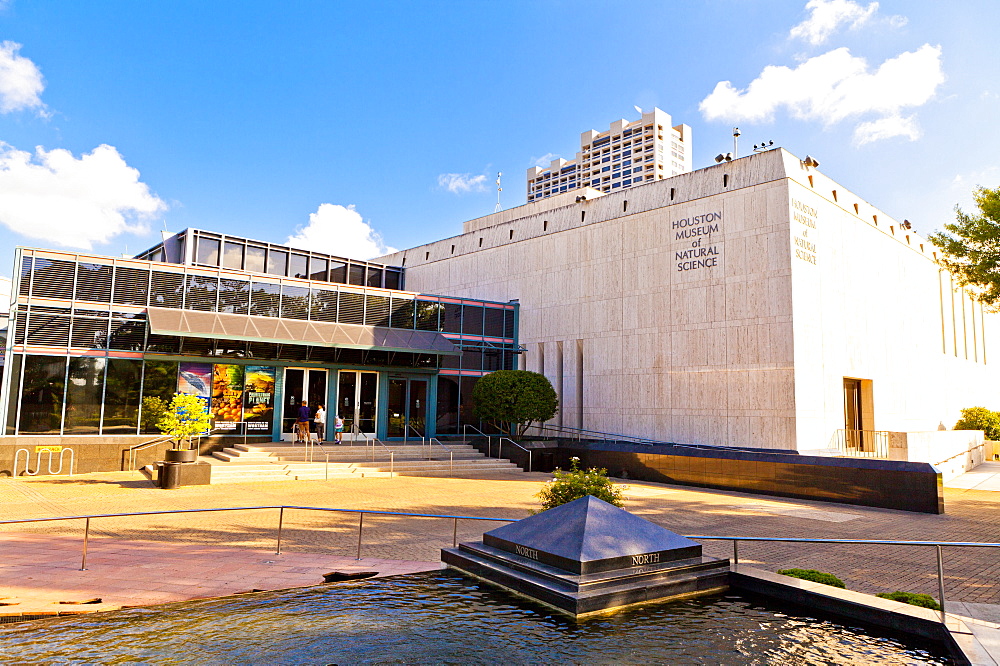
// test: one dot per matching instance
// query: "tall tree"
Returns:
(971, 246)
(514, 397)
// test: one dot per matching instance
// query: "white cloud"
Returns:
(341, 231)
(544, 160)
(21, 82)
(458, 183)
(73, 202)
(833, 87)
(886, 128)
(825, 16)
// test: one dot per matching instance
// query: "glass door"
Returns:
(357, 400)
(407, 408)
(301, 384)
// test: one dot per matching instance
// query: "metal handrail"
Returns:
(939, 545)
(489, 438)
(871, 542)
(392, 454)
(604, 436)
(500, 452)
(451, 454)
(135, 448)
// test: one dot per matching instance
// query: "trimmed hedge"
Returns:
(814, 576)
(922, 600)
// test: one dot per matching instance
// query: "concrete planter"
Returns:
(181, 455)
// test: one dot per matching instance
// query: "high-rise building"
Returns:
(627, 154)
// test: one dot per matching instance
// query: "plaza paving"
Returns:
(152, 559)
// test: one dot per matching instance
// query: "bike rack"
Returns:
(38, 461)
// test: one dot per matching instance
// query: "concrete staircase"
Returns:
(282, 461)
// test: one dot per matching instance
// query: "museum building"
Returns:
(754, 303)
(252, 327)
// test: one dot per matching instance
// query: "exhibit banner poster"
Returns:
(227, 397)
(195, 379)
(258, 398)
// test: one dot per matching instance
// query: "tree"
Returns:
(185, 417)
(514, 397)
(980, 418)
(971, 246)
(577, 483)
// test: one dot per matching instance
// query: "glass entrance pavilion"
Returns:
(254, 328)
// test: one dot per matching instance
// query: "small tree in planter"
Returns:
(185, 416)
(516, 398)
(577, 483)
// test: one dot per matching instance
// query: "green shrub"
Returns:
(185, 417)
(577, 483)
(514, 399)
(980, 418)
(922, 600)
(814, 576)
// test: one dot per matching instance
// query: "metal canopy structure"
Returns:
(192, 323)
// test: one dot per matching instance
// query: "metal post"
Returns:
(281, 521)
(86, 538)
(451, 454)
(454, 534)
(392, 460)
(361, 525)
(736, 553)
(529, 460)
(940, 567)
(327, 466)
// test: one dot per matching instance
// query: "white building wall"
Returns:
(750, 352)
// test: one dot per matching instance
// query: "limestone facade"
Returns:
(727, 306)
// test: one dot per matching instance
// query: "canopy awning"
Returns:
(195, 324)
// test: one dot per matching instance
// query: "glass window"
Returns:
(159, 381)
(15, 362)
(208, 251)
(472, 320)
(232, 256)
(42, 395)
(402, 313)
(83, 396)
(255, 259)
(234, 296)
(200, 294)
(392, 279)
(277, 262)
(451, 322)
(121, 396)
(318, 269)
(447, 405)
(323, 306)
(493, 326)
(357, 274)
(299, 266)
(128, 334)
(374, 277)
(338, 272)
(351, 308)
(428, 313)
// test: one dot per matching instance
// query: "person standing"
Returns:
(320, 423)
(338, 428)
(302, 424)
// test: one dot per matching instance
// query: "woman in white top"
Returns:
(320, 423)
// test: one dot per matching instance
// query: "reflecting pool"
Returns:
(443, 617)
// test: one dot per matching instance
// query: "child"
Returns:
(338, 427)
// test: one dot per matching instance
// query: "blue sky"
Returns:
(330, 120)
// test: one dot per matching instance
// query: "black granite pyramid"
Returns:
(589, 535)
(588, 556)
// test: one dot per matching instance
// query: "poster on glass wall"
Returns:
(195, 379)
(227, 397)
(258, 398)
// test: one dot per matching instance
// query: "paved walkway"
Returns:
(984, 477)
(41, 560)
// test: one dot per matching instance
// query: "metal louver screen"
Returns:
(162, 344)
(508, 324)
(264, 299)
(376, 310)
(402, 313)
(52, 278)
(93, 282)
(323, 306)
(294, 302)
(167, 290)
(131, 286)
(127, 334)
(428, 313)
(89, 333)
(20, 327)
(25, 283)
(51, 330)
(201, 290)
(451, 318)
(234, 296)
(352, 308)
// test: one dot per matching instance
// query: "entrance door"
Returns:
(407, 407)
(853, 414)
(357, 399)
(307, 384)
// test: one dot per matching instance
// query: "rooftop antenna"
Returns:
(736, 138)
(499, 190)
